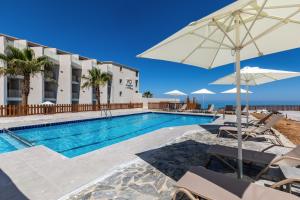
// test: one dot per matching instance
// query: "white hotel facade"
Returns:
(64, 85)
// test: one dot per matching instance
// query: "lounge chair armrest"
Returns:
(186, 192)
(284, 182)
(271, 146)
(276, 160)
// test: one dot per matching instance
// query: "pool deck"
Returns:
(40, 173)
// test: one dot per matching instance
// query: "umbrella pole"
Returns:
(203, 101)
(238, 94)
(247, 99)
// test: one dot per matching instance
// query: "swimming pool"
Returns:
(77, 138)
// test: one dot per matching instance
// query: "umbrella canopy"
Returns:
(203, 91)
(252, 76)
(265, 27)
(234, 91)
(47, 103)
(175, 93)
(242, 30)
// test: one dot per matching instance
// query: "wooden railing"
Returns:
(276, 107)
(20, 110)
(163, 105)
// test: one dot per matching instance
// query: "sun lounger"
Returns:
(183, 108)
(200, 183)
(255, 122)
(229, 110)
(244, 110)
(267, 160)
(210, 109)
(252, 131)
(291, 175)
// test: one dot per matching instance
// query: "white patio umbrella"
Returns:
(242, 30)
(47, 103)
(247, 92)
(252, 76)
(203, 92)
(234, 91)
(176, 93)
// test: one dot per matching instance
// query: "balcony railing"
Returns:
(14, 93)
(52, 55)
(75, 95)
(50, 94)
(76, 79)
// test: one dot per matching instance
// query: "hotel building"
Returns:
(62, 84)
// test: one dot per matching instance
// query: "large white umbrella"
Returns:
(203, 92)
(175, 93)
(47, 103)
(242, 30)
(252, 76)
(234, 91)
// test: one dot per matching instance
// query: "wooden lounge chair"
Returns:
(229, 110)
(253, 131)
(210, 109)
(200, 183)
(255, 122)
(267, 160)
(182, 108)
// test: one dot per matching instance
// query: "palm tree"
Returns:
(147, 94)
(23, 63)
(96, 79)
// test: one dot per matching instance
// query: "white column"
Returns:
(86, 94)
(64, 91)
(36, 82)
(3, 79)
(238, 95)
(20, 44)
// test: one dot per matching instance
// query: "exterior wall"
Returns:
(129, 91)
(86, 94)
(64, 92)
(3, 79)
(68, 65)
(36, 82)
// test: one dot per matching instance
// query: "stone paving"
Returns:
(154, 173)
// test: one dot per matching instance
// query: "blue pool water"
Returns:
(78, 138)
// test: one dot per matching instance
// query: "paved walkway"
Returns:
(155, 172)
(40, 173)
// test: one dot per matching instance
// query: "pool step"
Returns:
(21, 140)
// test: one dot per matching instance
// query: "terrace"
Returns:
(127, 169)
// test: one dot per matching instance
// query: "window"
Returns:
(121, 68)
(136, 74)
(120, 94)
(120, 81)
(136, 83)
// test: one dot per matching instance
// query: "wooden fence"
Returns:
(276, 107)
(20, 110)
(163, 105)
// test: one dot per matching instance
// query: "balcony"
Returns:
(75, 95)
(50, 76)
(50, 95)
(14, 93)
(52, 55)
(75, 79)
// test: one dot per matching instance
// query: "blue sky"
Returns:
(118, 30)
